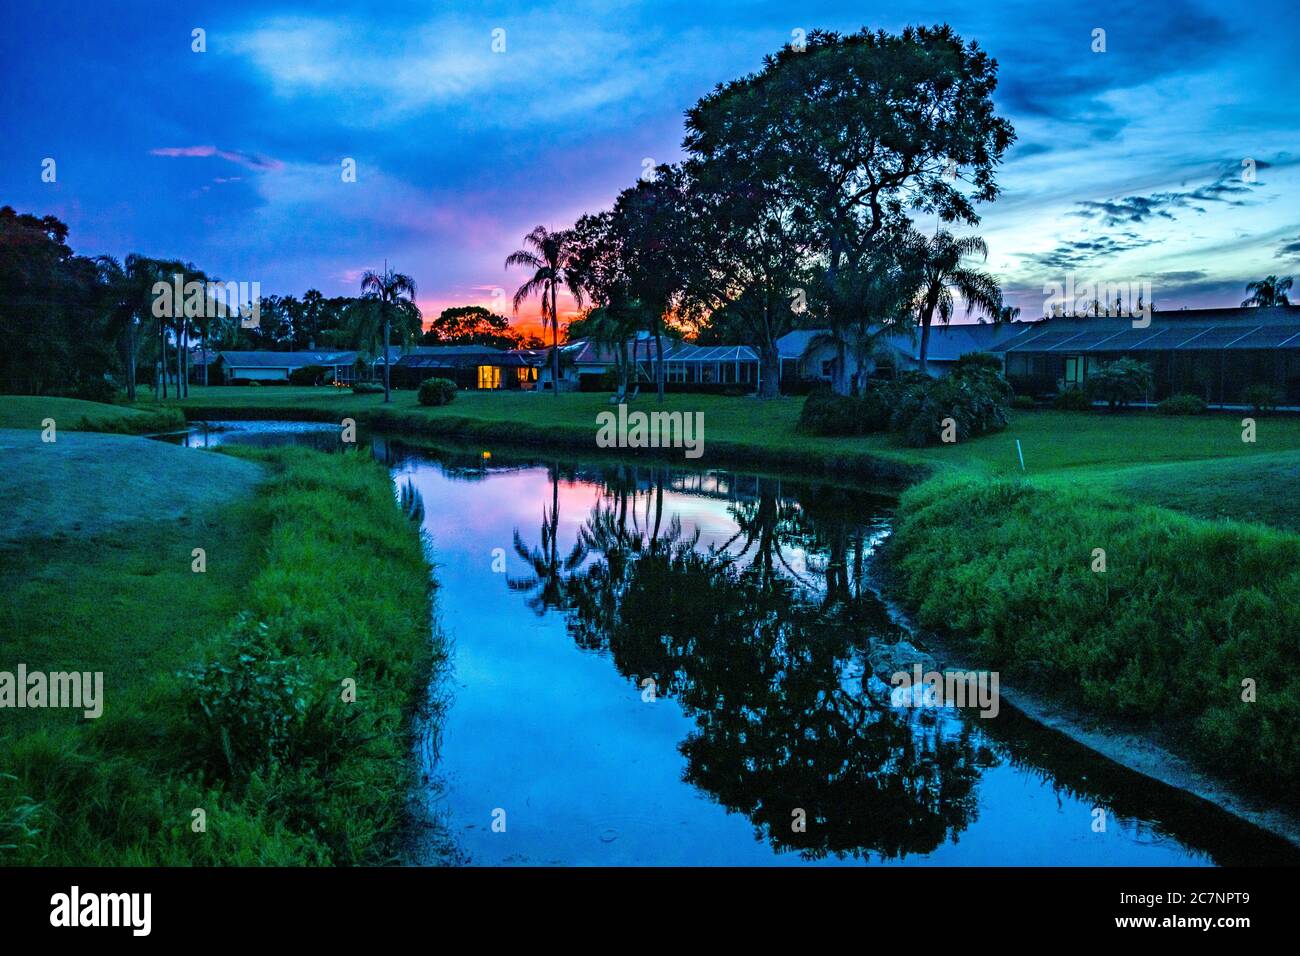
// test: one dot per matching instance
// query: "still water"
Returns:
(653, 665)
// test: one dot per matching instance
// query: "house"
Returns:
(1215, 354)
(469, 366)
(243, 367)
(808, 356)
(585, 364)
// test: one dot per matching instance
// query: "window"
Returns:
(828, 368)
(489, 376)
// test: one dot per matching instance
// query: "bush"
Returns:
(825, 413)
(975, 397)
(1182, 405)
(437, 391)
(308, 375)
(1262, 399)
(248, 698)
(1023, 401)
(1072, 399)
(1120, 383)
(367, 388)
(915, 406)
(1186, 610)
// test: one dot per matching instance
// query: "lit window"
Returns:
(489, 376)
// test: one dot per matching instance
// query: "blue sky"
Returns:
(1128, 164)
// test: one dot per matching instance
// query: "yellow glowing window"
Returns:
(489, 376)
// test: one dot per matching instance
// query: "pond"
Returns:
(653, 665)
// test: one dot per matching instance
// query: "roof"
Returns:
(950, 342)
(795, 344)
(947, 342)
(458, 356)
(285, 359)
(686, 352)
(395, 352)
(1186, 330)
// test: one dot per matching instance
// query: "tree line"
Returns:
(90, 326)
(793, 209)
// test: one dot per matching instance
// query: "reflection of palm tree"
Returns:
(547, 578)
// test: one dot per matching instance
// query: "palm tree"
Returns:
(1268, 292)
(939, 268)
(551, 256)
(394, 294)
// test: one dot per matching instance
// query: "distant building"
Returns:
(687, 367)
(808, 356)
(469, 366)
(243, 367)
(1215, 354)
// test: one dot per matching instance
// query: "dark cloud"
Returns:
(1289, 249)
(1075, 253)
(1229, 187)
(1064, 80)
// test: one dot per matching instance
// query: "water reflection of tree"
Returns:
(756, 657)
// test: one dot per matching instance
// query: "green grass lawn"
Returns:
(1094, 448)
(73, 414)
(221, 690)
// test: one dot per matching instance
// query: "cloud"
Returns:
(1228, 187)
(1073, 254)
(554, 64)
(1289, 249)
(243, 159)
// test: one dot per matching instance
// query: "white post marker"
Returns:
(1021, 453)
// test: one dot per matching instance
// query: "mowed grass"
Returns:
(73, 414)
(1089, 447)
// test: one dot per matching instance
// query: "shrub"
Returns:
(1120, 383)
(975, 397)
(914, 405)
(1181, 405)
(367, 388)
(1023, 401)
(978, 362)
(1262, 399)
(1072, 399)
(307, 375)
(825, 413)
(248, 698)
(437, 391)
(1185, 611)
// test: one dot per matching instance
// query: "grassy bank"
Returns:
(1001, 557)
(75, 415)
(745, 431)
(1185, 611)
(227, 691)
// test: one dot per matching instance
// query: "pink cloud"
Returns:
(243, 159)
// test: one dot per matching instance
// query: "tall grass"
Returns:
(256, 732)
(1185, 612)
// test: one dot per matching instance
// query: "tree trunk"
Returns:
(205, 355)
(769, 371)
(924, 361)
(162, 357)
(840, 381)
(130, 359)
(659, 360)
(387, 398)
(555, 344)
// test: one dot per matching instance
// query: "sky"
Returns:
(1171, 157)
